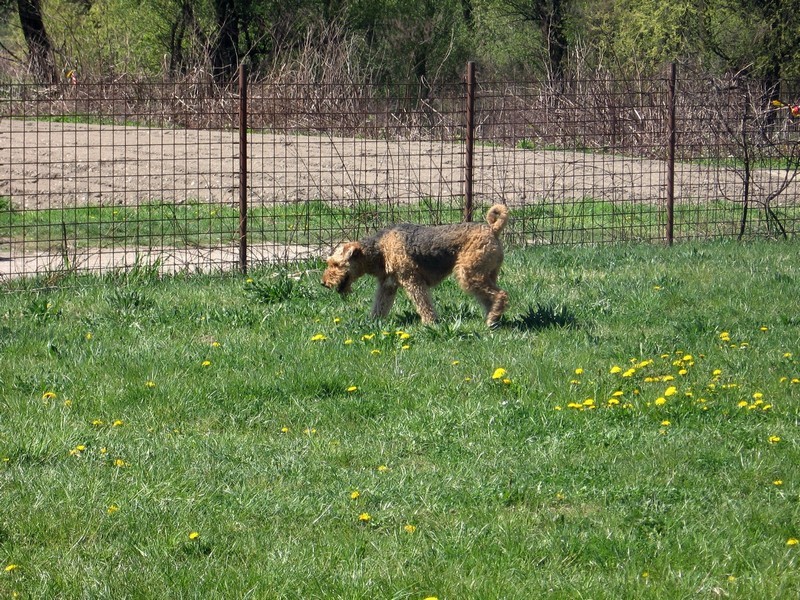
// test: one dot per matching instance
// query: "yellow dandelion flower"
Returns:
(347, 342)
(112, 509)
(665, 423)
(613, 401)
(150, 384)
(318, 338)
(118, 423)
(787, 355)
(352, 388)
(367, 336)
(80, 447)
(763, 328)
(354, 495)
(337, 320)
(194, 535)
(11, 567)
(773, 439)
(777, 482)
(215, 344)
(49, 395)
(206, 363)
(660, 401)
(615, 369)
(792, 542)
(589, 402)
(578, 371)
(383, 469)
(403, 335)
(375, 352)
(742, 404)
(405, 347)
(310, 431)
(364, 517)
(629, 373)
(119, 463)
(88, 336)
(285, 429)
(97, 422)
(409, 528)
(671, 391)
(454, 363)
(618, 394)
(499, 373)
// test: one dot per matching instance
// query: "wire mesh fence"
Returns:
(108, 177)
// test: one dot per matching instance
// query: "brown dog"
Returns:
(418, 257)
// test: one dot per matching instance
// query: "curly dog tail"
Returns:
(497, 217)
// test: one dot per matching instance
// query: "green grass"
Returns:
(201, 224)
(314, 223)
(249, 436)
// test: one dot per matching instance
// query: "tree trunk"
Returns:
(225, 57)
(40, 51)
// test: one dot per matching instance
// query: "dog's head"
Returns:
(344, 267)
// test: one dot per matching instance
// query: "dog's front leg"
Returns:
(384, 297)
(420, 295)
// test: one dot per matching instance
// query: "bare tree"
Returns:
(767, 156)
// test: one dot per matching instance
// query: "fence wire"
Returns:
(110, 177)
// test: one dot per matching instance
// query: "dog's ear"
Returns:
(352, 250)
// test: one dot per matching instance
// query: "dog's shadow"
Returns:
(536, 318)
(543, 316)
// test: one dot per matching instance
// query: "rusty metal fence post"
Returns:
(243, 168)
(469, 141)
(670, 232)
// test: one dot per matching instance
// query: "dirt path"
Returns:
(53, 164)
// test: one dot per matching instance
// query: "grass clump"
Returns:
(628, 431)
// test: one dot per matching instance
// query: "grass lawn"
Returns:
(631, 431)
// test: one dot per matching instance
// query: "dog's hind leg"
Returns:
(483, 286)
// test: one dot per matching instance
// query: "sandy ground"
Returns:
(50, 165)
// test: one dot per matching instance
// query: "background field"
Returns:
(222, 437)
